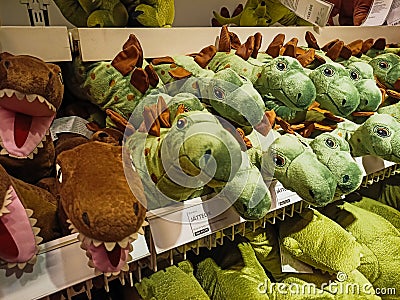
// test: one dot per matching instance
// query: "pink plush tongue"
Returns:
(108, 261)
(22, 125)
(17, 240)
(20, 133)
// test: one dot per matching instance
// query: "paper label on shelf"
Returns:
(71, 124)
(290, 264)
(282, 197)
(378, 12)
(393, 17)
(314, 11)
(188, 222)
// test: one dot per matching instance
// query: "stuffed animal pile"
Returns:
(225, 123)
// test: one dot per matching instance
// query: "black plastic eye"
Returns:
(85, 219)
(136, 208)
(281, 66)
(383, 64)
(328, 72)
(181, 123)
(382, 131)
(278, 160)
(330, 143)
(7, 64)
(219, 92)
(354, 75)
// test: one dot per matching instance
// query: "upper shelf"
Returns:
(48, 43)
(103, 44)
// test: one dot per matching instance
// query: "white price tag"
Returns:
(393, 17)
(188, 221)
(71, 124)
(314, 11)
(378, 13)
(282, 197)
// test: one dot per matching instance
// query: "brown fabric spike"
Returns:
(224, 44)
(393, 94)
(133, 41)
(224, 12)
(120, 122)
(328, 45)
(290, 50)
(257, 44)
(163, 60)
(235, 41)
(237, 10)
(245, 139)
(267, 123)
(126, 60)
(306, 58)
(362, 113)
(334, 51)
(155, 117)
(205, 55)
(355, 47)
(180, 110)
(276, 45)
(284, 125)
(312, 41)
(306, 132)
(153, 77)
(346, 52)
(293, 42)
(380, 44)
(179, 73)
(245, 50)
(140, 80)
(367, 44)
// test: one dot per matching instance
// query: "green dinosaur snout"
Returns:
(370, 95)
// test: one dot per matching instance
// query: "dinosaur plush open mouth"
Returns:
(18, 237)
(109, 258)
(25, 122)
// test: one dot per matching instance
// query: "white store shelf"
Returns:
(61, 264)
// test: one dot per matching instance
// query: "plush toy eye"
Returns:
(244, 78)
(219, 93)
(383, 64)
(60, 77)
(382, 131)
(85, 219)
(304, 144)
(328, 72)
(354, 75)
(181, 123)
(278, 160)
(330, 143)
(281, 66)
(59, 173)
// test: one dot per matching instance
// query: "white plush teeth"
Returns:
(19, 95)
(11, 265)
(97, 243)
(32, 221)
(141, 231)
(3, 152)
(35, 151)
(134, 236)
(31, 97)
(9, 92)
(109, 245)
(123, 243)
(91, 264)
(30, 156)
(33, 260)
(40, 145)
(38, 239)
(35, 230)
(81, 237)
(21, 266)
(2, 93)
(29, 212)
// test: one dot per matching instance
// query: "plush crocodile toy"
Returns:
(334, 152)
(194, 156)
(99, 13)
(31, 91)
(387, 70)
(289, 158)
(27, 217)
(107, 229)
(150, 13)
(262, 13)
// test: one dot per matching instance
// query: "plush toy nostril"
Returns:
(346, 178)
(298, 96)
(262, 3)
(207, 155)
(85, 219)
(311, 193)
(103, 135)
(7, 64)
(343, 102)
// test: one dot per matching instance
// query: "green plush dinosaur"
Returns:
(263, 13)
(175, 282)
(334, 152)
(380, 240)
(386, 191)
(302, 237)
(193, 156)
(97, 13)
(288, 159)
(377, 136)
(154, 13)
(335, 90)
(387, 70)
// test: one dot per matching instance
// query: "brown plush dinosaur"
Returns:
(31, 91)
(94, 194)
(25, 211)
